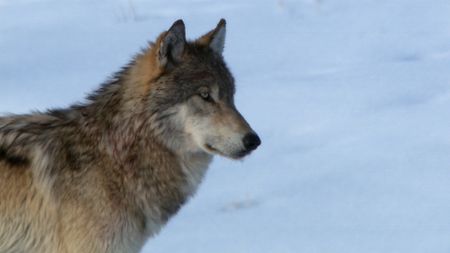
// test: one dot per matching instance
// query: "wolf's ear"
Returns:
(215, 39)
(172, 43)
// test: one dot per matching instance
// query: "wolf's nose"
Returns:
(251, 141)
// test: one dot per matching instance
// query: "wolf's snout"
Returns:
(251, 141)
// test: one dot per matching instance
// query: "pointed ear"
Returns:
(215, 39)
(171, 44)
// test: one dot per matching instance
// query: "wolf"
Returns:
(106, 174)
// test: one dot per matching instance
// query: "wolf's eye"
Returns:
(205, 95)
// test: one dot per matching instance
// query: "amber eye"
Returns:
(205, 95)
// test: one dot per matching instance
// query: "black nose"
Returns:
(251, 141)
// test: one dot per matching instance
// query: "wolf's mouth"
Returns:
(212, 149)
(236, 156)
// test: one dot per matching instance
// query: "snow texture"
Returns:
(351, 99)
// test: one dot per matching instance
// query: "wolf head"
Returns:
(192, 95)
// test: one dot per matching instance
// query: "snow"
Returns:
(351, 99)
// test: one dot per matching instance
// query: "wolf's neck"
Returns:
(132, 138)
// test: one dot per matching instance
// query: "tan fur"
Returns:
(106, 175)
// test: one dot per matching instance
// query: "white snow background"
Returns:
(351, 99)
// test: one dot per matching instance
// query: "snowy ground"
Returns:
(350, 97)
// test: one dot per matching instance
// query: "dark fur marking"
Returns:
(72, 159)
(13, 159)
